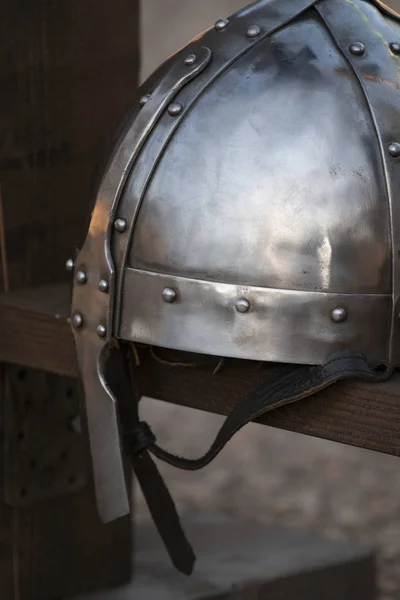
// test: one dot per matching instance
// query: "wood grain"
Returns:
(36, 333)
(68, 75)
(35, 329)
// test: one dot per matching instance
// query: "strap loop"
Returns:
(138, 439)
(297, 383)
(141, 438)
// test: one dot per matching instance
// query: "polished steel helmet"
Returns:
(250, 208)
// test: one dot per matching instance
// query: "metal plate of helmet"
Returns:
(249, 208)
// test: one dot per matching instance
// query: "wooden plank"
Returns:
(36, 333)
(35, 329)
(245, 559)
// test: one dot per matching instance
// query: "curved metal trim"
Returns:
(253, 323)
(95, 307)
(95, 259)
(270, 16)
(377, 72)
(385, 10)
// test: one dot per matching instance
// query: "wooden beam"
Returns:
(35, 332)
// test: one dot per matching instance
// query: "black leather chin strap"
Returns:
(297, 383)
(137, 440)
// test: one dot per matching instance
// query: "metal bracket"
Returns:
(45, 454)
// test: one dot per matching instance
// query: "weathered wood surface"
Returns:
(239, 559)
(68, 75)
(36, 333)
(56, 546)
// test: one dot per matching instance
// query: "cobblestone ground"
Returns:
(294, 480)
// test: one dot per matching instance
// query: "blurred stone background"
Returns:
(287, 478)
(167, 25)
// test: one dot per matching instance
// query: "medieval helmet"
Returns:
(250, 210)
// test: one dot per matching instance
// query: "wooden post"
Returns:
(68, 74)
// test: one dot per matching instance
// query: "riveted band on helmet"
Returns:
(249, 210)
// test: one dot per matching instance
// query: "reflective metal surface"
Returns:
(249, 208)
(394, 149)
(253, 31)
(94, 332)
(270, 15)
(358, 48)
(144, 99)
(395, 47)
(169, 295)
(120, 225)
(274, 178)
(81, 277)
(77, 321)
(70, 264)
(242, 305)
(378, 74)
(339, 315)
(174, 109)
(190, 59)
(103, 286)
(280, 325)
(221, 24)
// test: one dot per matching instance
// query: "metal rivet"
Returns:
(174, 109)
(253, 31)
(394, 149)
(169, 295)
(144, 99)
(121, 225)
(77, 321)
(101, 331)
(103, 286)
(190, 60)
(70, 264)
(81, 277)
(242, 305)
(395, 47)
(357, 48)
(339, 315)
(221, 24)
